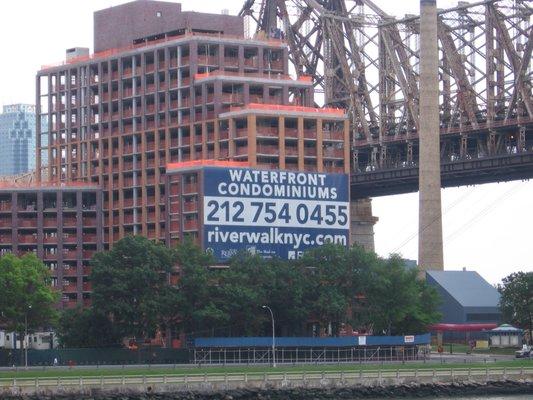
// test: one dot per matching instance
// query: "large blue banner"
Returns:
(273, 213)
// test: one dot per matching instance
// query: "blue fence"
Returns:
(346, 341)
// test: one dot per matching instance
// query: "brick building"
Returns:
(170, 86)
(61, 224)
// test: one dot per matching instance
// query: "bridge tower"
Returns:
(430, 245)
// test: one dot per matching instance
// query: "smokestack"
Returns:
(430, 246)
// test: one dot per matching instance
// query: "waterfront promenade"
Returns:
(215, 382)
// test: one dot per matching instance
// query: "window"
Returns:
(158, 14)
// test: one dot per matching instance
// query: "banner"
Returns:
(273, 213)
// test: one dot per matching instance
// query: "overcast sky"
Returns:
(487, 228)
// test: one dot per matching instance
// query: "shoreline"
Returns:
(424, 390)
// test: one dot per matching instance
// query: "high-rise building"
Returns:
(61, 224)
(17, 139)
(170, 86)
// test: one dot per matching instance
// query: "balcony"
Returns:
(231, 61)
(232, 98)
(6, 223)
(50, 239)
(190, 225)
(70, 272)
(223, 135)
(267, 131)
(190, 206)
(87, 287)
(50, 256)
(70, 239)
(190, 188)
(333, 153)
(310, 133)
(70, 288)
(241, 132)
(310, 152)
(207, 60)
(88, 221)
(150, 146)
(89, 238)
(29, 239)
(50, 222)
(127, 92)
(291, 133)
(241, 150)
(5, 239)
(291, 151)
(70, 222)
(70, 254)
(333, 135)
(28, 223)
(88, 254)
(251, 62)
(269, 150)
(150, 88)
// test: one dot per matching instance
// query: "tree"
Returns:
(330, 284)
(397, 302)
(516, 300)
(195, 301)
(130, 285)
(86, 328)
(27, 298)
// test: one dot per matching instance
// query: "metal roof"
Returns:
(468, 288)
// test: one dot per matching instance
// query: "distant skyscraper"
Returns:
(17, 139)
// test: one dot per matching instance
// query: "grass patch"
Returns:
(155, 371)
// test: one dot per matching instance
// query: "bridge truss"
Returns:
(366, 61)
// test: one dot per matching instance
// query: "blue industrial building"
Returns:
(466, 297)
(17, 139)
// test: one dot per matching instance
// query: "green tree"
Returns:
(86, 328)
(286, 293)
(397, 302)
(195, 301)
(242, 292)
(516, 300)
(130, 285)
(27, 298)
(330, 284)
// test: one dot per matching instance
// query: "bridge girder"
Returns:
(366, 61)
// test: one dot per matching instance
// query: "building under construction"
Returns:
(164, 86)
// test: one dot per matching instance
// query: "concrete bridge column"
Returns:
(362, 223)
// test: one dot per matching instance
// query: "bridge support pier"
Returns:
(362, 223)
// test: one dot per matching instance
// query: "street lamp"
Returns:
(24, 340)
(273, 337)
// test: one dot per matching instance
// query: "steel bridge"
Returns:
(367, 61)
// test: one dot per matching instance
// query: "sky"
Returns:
(486, 228)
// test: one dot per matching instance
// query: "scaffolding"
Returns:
(311, 355)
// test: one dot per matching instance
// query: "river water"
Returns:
(510, 397)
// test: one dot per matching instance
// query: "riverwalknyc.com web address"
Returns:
(273, 236)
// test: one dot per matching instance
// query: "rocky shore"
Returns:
(356, 392)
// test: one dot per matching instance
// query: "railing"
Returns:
(257, 379)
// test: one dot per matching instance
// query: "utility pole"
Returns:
(430, 244)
